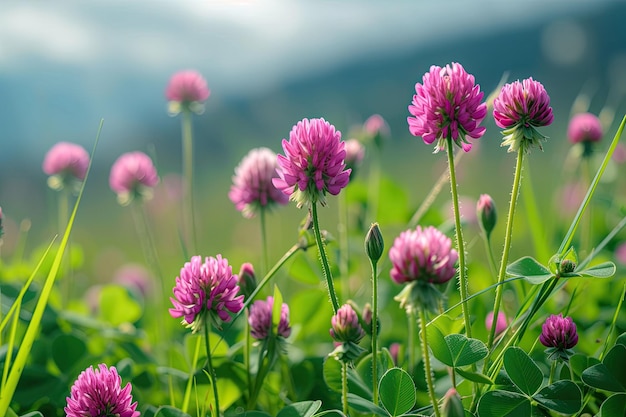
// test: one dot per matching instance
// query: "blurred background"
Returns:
(66, 65)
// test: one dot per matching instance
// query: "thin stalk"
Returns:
(492, 261)
(188, 206)
(411, 342)
(344, 387)
(265, 261)
(426, 357)
(507, 242)
(373, 191)
(325, 267)
(246, 355)
(585, 233)
(64, 209)
(210, 368)
(374, 331)
(344, 246)
(552, 372)
(459, 238)
(187, 394)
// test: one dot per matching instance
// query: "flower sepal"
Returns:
(522, 138)
(418, 293)
(347, 352)
(558, 354)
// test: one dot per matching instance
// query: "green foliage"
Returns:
(608, 375)
(397, 391)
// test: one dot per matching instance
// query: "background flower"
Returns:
(65, 162)
(584, 127)
(500, 322)
(206, 288)
(447, 104)
(518, 109)
(261, 319)
(252, 187)
(187, 89)
(133, 175)
(99, 393)
(313, 163)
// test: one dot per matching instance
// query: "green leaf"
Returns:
(465, 351)
(563, 397)
(503, 404)
(522, 370)
(474, 376)
(67, 350)
(32, 414)
(531, 270)
(579, 362)
(397, 391)
(438, 345)
(255, 414)
(621, 339)
(615, 405)
(363, 405)
(169, 411)
(117, 306)
(332, 377)
(608, 375)
(301, 409)
(276, 309)
(364, 367)
(603, 270)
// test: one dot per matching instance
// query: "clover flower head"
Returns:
(133, 175)
(99, 393)
(313, 164)
(345, 325)
(584, 128)
(423, 254)
(260, 319)
(65, 163)
(252, 188)
(204, 289)
(500, 322)
(519, 109)
(187, 90)
(134, 277)
(447, 103)
(559, 335)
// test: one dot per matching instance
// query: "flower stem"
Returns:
(459, 238)
(552, 372)
(325, 267)
(374, 331)
(189, 229)
(210, 368)
(344, 387)
(507, 243)
(426, 357)
(64, 202)
(492, 260)
(265, 260)
(344, 246)
(246, 355)
(411, 342)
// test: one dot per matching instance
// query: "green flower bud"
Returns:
(486, 213)
(374, 243)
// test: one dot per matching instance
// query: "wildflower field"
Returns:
(461, 305)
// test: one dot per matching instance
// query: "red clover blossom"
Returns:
(519, 109)
(261, 319)
(558, 334)
(133, 175)
(448, 103)
(65, 163)
(252, 187)
(187, 89)
(313, 163)
(206, 288)
(99, 393)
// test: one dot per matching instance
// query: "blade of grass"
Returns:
(569, 236)
(33, 328)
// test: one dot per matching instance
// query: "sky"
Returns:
(64, 65)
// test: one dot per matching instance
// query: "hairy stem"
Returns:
(325, 267)
(426, 358)
(507, 243)
(374, 331)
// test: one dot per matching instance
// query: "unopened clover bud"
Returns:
(486, 213)
(345, 326)
(374, 243)
(246, 279)
(567, 266)
(452, 405)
